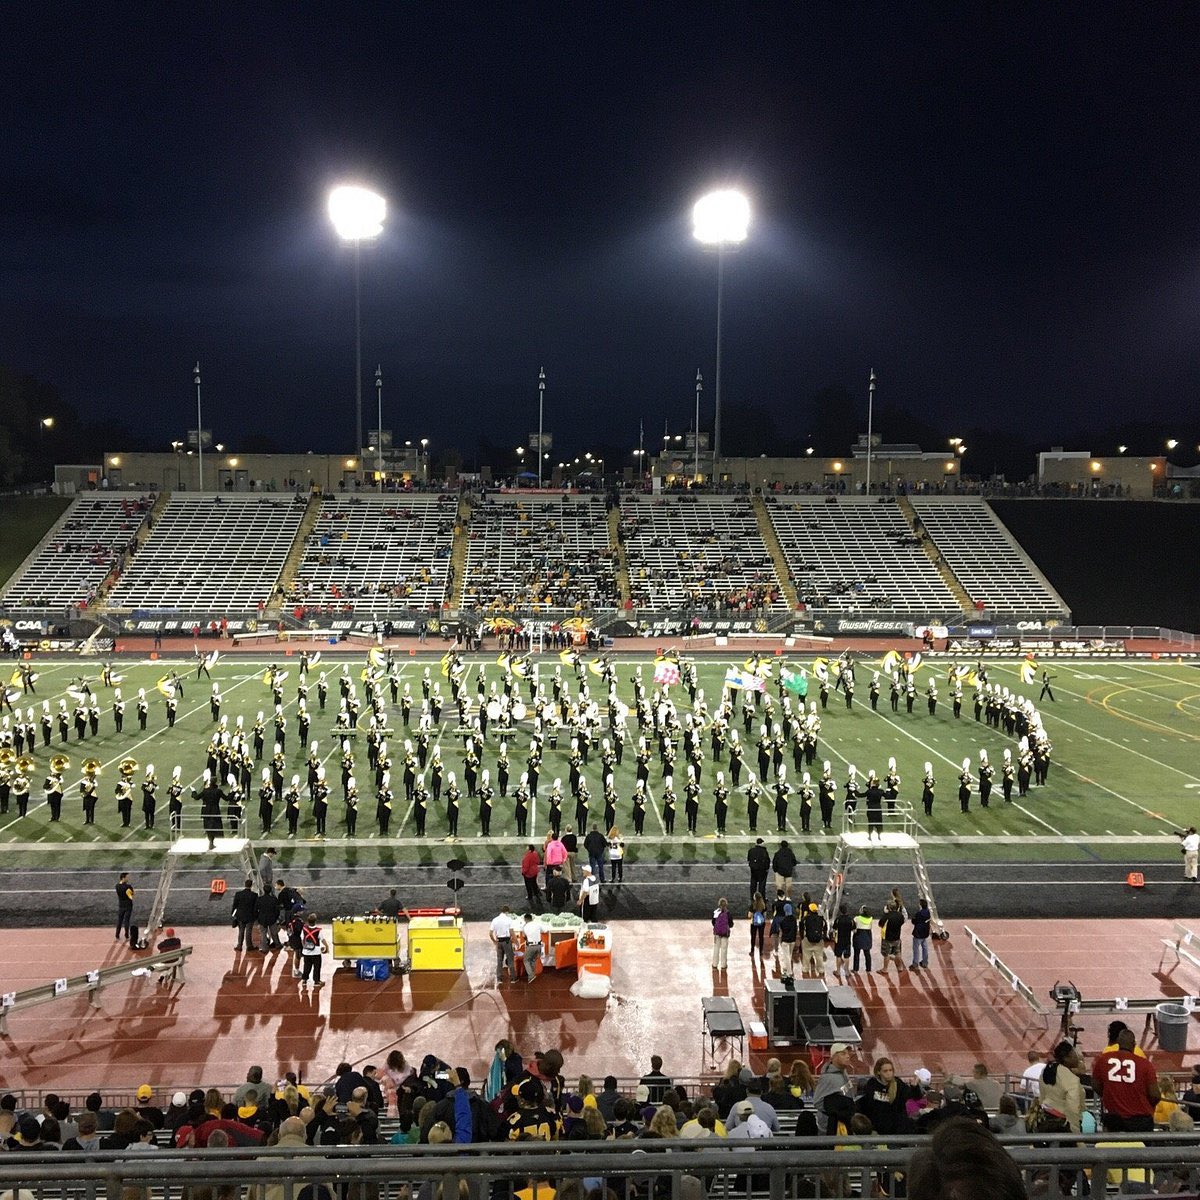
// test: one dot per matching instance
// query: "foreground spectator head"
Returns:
(963, 1161)
(439, 1134)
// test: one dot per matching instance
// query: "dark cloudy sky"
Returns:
(994, 205)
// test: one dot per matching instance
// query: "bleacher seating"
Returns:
(704, 552)
(88, 541)
(378, 553)
(985, 557)
(857, 554)
(221, 553)
(548, 551)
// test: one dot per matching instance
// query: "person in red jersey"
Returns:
(1127, 1085)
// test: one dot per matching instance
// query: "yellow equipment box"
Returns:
(436, 944)
(357, 938)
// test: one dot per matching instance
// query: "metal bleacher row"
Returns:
(686, 550)
(379, 552)
(376, 554)
(547, 550)
(222, 553)
(985, 557)
(80, 550)
(848, 556)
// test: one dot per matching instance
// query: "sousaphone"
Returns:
(91, 767)
(24, 765)
(127, 767)
(59, 763)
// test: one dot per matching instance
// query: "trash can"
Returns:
(1173, 1020)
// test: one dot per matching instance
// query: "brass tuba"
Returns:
(91, 767)
(127, 767)
(59, 763)
(25, 765)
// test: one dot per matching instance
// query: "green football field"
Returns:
(1125, 767)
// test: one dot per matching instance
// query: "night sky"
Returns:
(993, 205)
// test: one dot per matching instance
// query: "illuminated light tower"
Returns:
(541, 406)
(357, 214)
(379, 424)
(720, 219)
(199, 433)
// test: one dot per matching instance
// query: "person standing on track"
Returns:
(124, 905)
(1191, 852)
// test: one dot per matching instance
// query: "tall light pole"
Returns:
(870, 420)
(720, 219)
(357, 214)
(379, 424)
(541, 407)
(696, 439)
(199, 432)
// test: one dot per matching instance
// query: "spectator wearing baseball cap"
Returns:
(834, 1077)
(755, 1105)
(147, 1110)
(176, 1114)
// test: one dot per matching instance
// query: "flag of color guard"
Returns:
(744, 680)
(794, 681)
(666, 671)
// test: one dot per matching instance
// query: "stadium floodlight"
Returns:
(1172, 443)
(720, 219)
(357, 214)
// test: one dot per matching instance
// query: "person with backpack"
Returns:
(815, 935)
(312, 947)
(722, 924)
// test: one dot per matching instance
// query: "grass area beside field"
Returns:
(1125, 766)
(25, 520)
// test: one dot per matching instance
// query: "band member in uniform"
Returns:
(88, 789)
(783, 790)
(521, 805)
(691, 801)
(1046, 689)
(891, 785)
(235, 804)
(826, 795)
(453, 796)
(149, 796)
(895, 691)
(668, 804)
(928, 783)
(873, 692)
(384, 799)
(143, 709)
(20, 791)
(755, 793)
(320, 802)
(291, 801)
(639, 807)
(956, 698)
(720, 803)
(118, 710)
(175, 800)
(737, 754)
(965, 780)
(486, 794)
(266, 800)
(1007, 775)
(853, 787)
(351, 807)
(64, 721)
(986, 774)
(1024, 767)
(931, 697)
(47, 723)
(93, 721)
(124, 795)
(53, 787)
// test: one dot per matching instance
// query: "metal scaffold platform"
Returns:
(187, 842)
(899, 832)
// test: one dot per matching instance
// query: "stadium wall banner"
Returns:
(1042, 647)
(871, 626)
(981, 632)
(185, 624)
(681, 624)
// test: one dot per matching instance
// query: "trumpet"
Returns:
(127, 766)
(25, 765)
(59, 763)
(91, 767)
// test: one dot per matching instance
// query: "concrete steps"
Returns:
(771, 540)
(951, 580)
